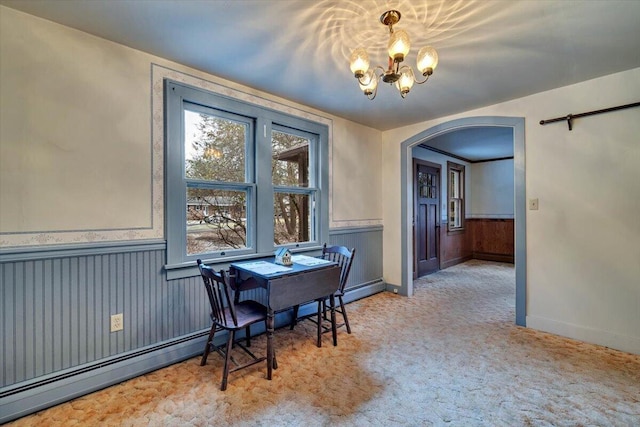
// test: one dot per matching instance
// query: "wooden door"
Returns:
(426, 218)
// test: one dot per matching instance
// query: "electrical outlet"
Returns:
(117, 323)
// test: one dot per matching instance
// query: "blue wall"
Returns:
(56, 304)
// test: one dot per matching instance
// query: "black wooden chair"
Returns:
(344, 258)
(229, 316)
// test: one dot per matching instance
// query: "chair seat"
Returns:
(247, 313)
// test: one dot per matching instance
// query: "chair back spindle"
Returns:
(343, 257)
(219, 294)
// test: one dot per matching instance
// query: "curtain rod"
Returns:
(569, 118)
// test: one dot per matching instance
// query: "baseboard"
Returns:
(486, 256)
(608, 339)
(454, 261)
(43, 394)
(364, 290)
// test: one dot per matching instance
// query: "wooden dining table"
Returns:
(307, 279)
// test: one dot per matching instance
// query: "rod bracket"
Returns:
(570, 121)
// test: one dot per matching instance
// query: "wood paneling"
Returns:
(455, 247)
(492, 239)
(482, 238)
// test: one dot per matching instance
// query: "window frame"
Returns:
(260, 228)
(311, 190)
(247, 186)
(460, 170)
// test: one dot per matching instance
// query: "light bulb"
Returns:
(359, 62)
(427, 60)
(405, 82)
(399, 45)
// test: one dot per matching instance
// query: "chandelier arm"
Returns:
(366, 81)
(375, 91)
(377, 76)
(404, 67)
(424, 81)
(415, 80)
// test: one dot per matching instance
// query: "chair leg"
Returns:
(294, 320)
(247, 334)
(319, 342)
(333, 320)
(207, 348)
(344, 314)
(227, 359)
(324, 309)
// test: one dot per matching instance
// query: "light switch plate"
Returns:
(533, 204)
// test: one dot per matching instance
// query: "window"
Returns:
(241, 180)
(217, 180)
(455, 186)
(293, 187)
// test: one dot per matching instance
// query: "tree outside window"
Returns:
(293, 199)
(215, 149)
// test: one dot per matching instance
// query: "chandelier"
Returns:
(398, 48)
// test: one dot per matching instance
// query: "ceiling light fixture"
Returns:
(398, 48)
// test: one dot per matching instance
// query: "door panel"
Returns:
(422, 231)
(427, 224)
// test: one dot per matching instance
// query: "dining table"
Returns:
(306, 279)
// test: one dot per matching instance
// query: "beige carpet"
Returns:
(450, 355)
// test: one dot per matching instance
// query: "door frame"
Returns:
(415, 210)
(406, 184)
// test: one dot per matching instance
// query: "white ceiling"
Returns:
(490, 51)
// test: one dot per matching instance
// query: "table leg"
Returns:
(270, 355)
(334, 331)
(319, 341)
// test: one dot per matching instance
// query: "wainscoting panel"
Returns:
(367, 264)
(57, 311)
(55, 308)
(492, 239)
(455, 247)
(489, 239)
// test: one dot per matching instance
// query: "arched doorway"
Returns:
(517, 125)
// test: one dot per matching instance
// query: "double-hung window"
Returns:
(241, 180)
(294, 186)
(455, 177)
(218, 180)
